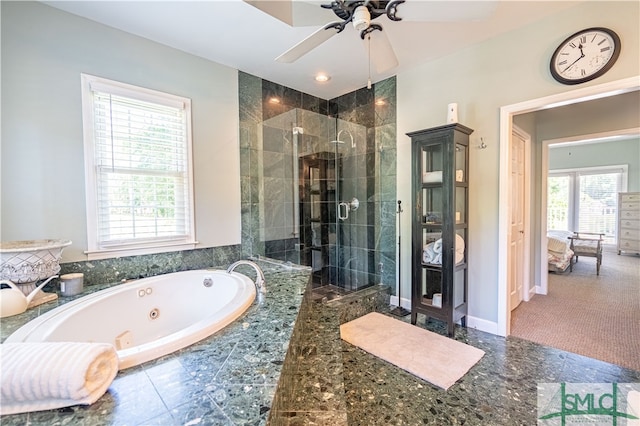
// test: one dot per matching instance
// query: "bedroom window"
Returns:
(585, 199)
(138, 169)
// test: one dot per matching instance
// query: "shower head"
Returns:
(338, 141)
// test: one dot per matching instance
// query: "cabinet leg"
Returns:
(414, 318)
(451, 328)
(463, 321)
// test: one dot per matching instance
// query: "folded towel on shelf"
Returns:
(432, 177)
(432, 252)
(48, 375)
(429, 255)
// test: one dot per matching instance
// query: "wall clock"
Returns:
(585, 55)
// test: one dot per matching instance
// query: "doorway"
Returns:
(507, 114)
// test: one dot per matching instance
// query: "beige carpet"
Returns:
(430, 356)
(594, 316)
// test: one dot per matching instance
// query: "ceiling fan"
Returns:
(361, 13)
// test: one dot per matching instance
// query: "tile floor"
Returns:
(335, 383)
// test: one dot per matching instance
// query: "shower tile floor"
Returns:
(327, 292)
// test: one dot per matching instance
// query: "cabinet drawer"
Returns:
(629, 245)
(629, 224)
(633, 196)
(629, 234)
(629, 214)
(629, 205)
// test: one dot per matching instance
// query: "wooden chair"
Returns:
(586, 244)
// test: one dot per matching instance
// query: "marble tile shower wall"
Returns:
(367, 250)
(367, 244)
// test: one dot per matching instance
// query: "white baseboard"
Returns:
(472, 322)
(482, 325)
(406, 303)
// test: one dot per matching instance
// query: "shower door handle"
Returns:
(343, 207)
(352, 205)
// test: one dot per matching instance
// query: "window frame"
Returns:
(95, 248)
(574, 175)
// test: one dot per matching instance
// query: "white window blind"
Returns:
(585, 200)
(138, 166)
(598, 202)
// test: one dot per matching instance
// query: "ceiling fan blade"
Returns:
(382, 55)
(444, 11)
(296, 13)
(308, 44)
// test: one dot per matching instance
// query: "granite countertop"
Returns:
(226, 379)
(241, 375)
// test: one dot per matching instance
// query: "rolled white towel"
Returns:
(432, 252)
(48, 375)
(428, 254)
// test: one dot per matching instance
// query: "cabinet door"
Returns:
(431, 199)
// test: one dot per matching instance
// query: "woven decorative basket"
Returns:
(32, 260)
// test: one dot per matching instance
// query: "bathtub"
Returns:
(147, 318)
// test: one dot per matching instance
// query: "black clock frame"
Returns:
(601, 71)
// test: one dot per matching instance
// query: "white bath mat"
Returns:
(430, 356)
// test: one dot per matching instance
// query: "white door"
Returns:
(516, 220)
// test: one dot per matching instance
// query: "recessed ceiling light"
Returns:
(321, 78)
(274, 100)
(381, 102)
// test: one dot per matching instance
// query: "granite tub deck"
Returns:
(229, 378)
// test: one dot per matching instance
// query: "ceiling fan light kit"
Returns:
(361, 13)
(361, 18)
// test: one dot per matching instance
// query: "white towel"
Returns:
(432, 177)
(48, 375)
(432, 252)
(429, 255)
(459, 249)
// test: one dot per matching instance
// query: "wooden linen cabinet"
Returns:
(440, 159)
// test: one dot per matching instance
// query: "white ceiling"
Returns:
(236, 34)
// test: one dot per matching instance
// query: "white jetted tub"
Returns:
(147, 318)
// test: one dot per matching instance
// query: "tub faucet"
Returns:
(259, 274)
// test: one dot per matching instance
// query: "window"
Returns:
(585, 200)
(138, 169)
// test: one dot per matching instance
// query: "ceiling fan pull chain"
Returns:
(369, 80)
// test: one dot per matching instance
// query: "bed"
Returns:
(559, 253)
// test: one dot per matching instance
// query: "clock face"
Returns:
(585, 55)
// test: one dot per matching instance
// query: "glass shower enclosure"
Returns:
(317, 183)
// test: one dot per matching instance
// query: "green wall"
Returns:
(625, 152)
(44, 50)
(505, 70)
